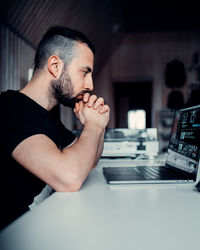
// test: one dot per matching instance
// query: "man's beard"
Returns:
(62, 90)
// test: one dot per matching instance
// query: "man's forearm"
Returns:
(85, 152)
(100, 148)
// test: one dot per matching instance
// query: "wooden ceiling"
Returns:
(105, 22)
(101, 21)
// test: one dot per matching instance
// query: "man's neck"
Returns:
(39, 92)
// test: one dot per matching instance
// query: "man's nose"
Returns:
(89, 84)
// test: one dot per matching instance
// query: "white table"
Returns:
(104, 217)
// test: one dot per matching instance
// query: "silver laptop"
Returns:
(183, 156)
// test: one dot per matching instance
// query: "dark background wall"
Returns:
(144, 57)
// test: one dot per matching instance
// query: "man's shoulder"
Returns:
(16, 110)
(4, 95)
(13, 102)
(19, 119)
(10, 98)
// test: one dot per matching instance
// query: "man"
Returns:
(35, 148)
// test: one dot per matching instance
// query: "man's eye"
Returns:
(85, 73)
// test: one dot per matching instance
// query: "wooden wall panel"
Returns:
(16, 58)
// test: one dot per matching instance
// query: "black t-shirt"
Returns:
(20, 118)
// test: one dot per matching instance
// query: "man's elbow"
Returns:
(73, 187)
(70, 184)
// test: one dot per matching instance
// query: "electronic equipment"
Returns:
(124, 142)
(183, 157)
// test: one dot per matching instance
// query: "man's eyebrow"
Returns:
(87, 68)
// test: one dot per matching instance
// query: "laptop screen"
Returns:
(184, 144)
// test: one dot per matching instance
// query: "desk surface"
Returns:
(104, 217)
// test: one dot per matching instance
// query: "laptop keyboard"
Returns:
(140, 173)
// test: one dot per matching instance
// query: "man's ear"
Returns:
(54, 66)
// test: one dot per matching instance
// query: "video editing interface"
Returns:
(184, 145)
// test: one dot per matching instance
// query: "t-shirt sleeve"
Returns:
(21, 119)
(17, 126)
(67, 137)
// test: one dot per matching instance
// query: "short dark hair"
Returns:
(60, 41)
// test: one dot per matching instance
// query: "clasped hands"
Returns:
(91, 108)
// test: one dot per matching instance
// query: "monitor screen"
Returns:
(184, 144)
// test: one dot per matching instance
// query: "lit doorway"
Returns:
(134, 95)
(137, 119)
